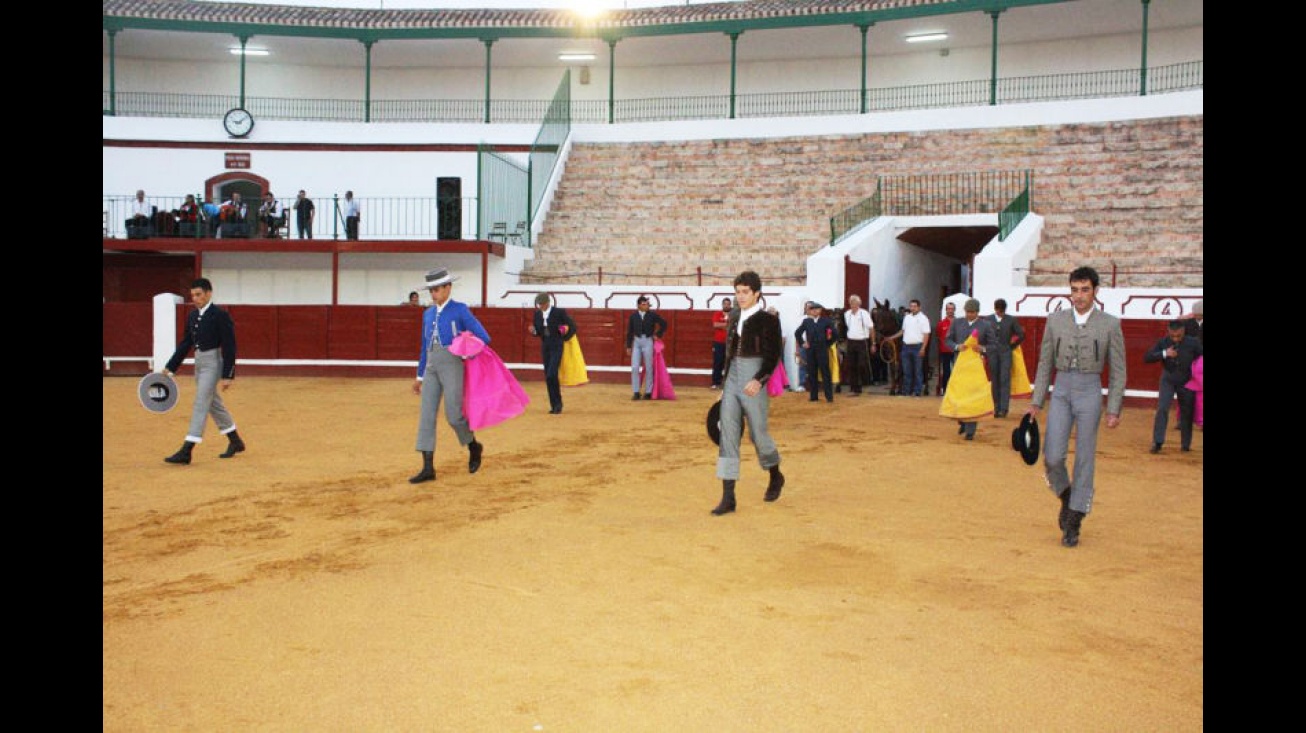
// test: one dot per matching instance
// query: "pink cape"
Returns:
(491, 393)
(775, 386)
(662, 389)
(1195, 384)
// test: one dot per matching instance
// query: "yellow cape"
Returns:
(834, 364)
(969, 396)
(572, 371)
(1020, 386)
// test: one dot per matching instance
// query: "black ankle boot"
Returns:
(1071, 536)
(1065, 509)
(234, 445)
(727, 504)
(428, 469)
(777, 483)
(474, 456)
(182, 456)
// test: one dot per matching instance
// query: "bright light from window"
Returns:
(924, 37)
(575, 56)
(589, 9)
(236, 51)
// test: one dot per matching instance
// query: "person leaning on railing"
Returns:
(350, 210)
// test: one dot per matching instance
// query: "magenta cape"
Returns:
(775, 386)
(1195, 384)
(491, 393)
(662, 389)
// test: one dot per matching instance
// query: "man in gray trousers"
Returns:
(753, 347)
(1078, 342)
(1008, 334)
(212, 333)
(440, 373)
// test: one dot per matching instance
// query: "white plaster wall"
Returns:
(465, 77)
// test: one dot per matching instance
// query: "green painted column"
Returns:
(1142, 74)
(243, 41)
(993, 71)
(734, 45)
(113, 94)
(864, 28)
(612, 77)
(488, 42)
(367, 81)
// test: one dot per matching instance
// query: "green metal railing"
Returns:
(547, 148)
(503, 188)
(382, 217)
(1011, 215)
(1183, 76)
(939, 194)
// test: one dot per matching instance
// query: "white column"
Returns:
(165, 328)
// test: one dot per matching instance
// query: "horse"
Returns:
(886, 324)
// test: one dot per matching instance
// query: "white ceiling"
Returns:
(1081, 18)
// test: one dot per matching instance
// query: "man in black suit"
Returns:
(643, 328)
(816, 333)
(212, 333)
(553, 326)
(1193, 324)
(1007, 335)
(1176, 351)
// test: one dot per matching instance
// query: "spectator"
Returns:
(643, 328)
(719, 342)
(1193, 324)
(142, 211)
(350, 209)
(1176, 351)
(413, 299)
(915, 346)
(946, 354)
(269, 216)
(304, 213)
(211, 214)
(235, 215)
(188, 216)
(857, 351)
(1007, 335)
(1078, 343)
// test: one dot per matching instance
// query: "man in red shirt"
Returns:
(946, 355)
(719, 342)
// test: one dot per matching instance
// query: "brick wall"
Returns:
(1127, 194)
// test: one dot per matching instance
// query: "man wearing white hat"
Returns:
(440, 373)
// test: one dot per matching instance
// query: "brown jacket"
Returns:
(761, 337)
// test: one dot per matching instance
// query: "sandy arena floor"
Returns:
(905, 581)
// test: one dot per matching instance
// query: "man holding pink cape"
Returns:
(440, 372)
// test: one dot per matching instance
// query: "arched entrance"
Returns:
(250, 185)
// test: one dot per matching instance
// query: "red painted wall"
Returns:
(393, 333)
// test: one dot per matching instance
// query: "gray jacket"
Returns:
(1098, 344)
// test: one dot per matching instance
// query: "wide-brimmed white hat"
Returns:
(437, 277)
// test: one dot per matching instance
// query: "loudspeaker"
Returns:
(449, 207)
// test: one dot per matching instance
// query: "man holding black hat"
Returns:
(1078, 343)
(440, 373)
(212, 333)
(753, 347)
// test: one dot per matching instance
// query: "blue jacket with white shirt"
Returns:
(451, 320)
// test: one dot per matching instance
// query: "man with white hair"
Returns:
(1193, 324)
(857, 321)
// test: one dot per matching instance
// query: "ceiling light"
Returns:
(576, 56)
(923, 37)
(236, 51)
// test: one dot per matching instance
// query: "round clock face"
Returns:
(238, 122)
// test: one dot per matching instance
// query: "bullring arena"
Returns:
(905, 580)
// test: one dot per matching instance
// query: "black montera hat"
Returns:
(1024, 439)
